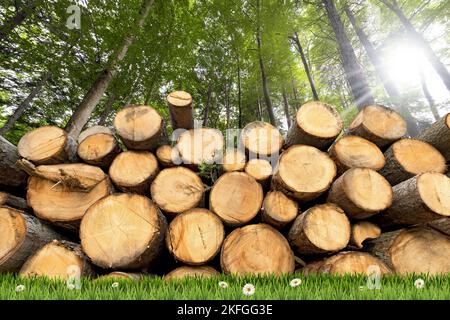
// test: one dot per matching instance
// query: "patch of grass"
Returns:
(267, 288)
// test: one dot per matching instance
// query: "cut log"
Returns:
(421, 199)
(362, 231)
(312, 267)
(303, 172)
(260, 169)
(316, 124)
(120, 275)
(236, 198)
(378, 124)
(261, 138)
(415, 250)
(409, 157)
(13, 202)
(256, 249)
(177, 189)
(168, 156)
(202, 145)
(58, 259)
(134, 171)
(11, 176)
(356, 152)
(234, 160)
(438, 135)
(191, 272)
(320, 229)
(139, 127)
(180, 108)
(442, 225)
(47, 145)
(123, 231)
(61, 205)
(361, 193)
(195, 236)
(98, 146)
(21, 235)
(278, 210)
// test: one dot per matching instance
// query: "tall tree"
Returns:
(207, 106)
(107, 109)
(286, 108)
(427, 94)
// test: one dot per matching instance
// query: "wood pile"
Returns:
(125, 203)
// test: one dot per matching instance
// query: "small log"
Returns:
(256, 249)
(11, 176)
(361, 193)
(362, 231)
(13, 202)
(316, 124)
(321, 229)
(234, 160)
(98, 146)
(120, 275)
(261, 138)
(180, 108)
(134, 171)
(438, 135)
(409, 157)
(191, 272)
(261, 170)
(123, 231)
(278, 210)
(168, 156)
(303, 172)
(378, 124)
(236, 198)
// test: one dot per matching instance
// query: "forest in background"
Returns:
(241, 60)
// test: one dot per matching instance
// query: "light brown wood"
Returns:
(409, 157)
(13, 202)
(316, 124)
(58, 260)
(120, 275)
(233, 160)
(134, 171)
(256, 249)
(438, 135)
(168, 156)
(362, 231)
(139, 127)
(21, 235)
(356, 152)
(321, 229)
(92, 131)
(98, 146)
(236, 198)
(177, 189)
(180, 108)
(361, 193)
(278, 210)
(415, 250)
(303, 172)
(123, 231)
(261, 138)
(260, 169)
(195, 236)
(191, 272)
(378, 124)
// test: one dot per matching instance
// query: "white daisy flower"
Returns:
(361, 288)
(248, 289)
(20, 288)
(419, 283)
(223, 284)
(70, 286)
(295, 282)
(115, 284)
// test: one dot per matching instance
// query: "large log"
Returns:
(362, 231)
(409, 157)
(168, 156)
(134, 171)
(416, 250)
(98, 146)
(260, 169)
(180, 108)
(58, 259)
(123, 231)
(356, 152)
(361, 193)
(47, 145)
(256, 249)
(278, 210)
(438, 135)
(233, 160)
(139, 127)
(191, 272)
(177, 189)
(21, 235)
(421, 199)
(236, 198)
(11, 176)
(378, 124)
(195, 236)
(13, 201)
(321, 229)
(316, 124)
(303, 172)
(261, 138)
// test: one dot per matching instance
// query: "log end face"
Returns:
(434, 190)
(13, 230)
(191, 272)
(279, 209)
(319, 119)
(43, 145)
(262, 138)
(234, 160)
(179, 99)
(132, 168)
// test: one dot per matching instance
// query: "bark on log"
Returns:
(438, 135)
(362, 231)
(168, 156)
(409, 157)
(361, 193)
(321, 229)
(11, 176)
(234, 160)
(261, 138)
(261, 170)
(191, 272)
(278, 210)
(316, 173)
(236, 198)
(256, 249)
(131, 244)
(442, 225)
(98, 146)
(134, 171)
(180, 108)
(13, 202)
(316, 124)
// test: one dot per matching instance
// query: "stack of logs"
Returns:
(123, 202)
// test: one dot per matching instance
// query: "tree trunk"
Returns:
(428, 96)
(11, 176)
(258, 110)
(180, 109)
(239, 93)
(108, 109)
(208, 106)
(438, 135)
(82, 113)
(13, 202)
(227, 104)
(355, 76)
(286, 108)
(13, 22)
(278, 210)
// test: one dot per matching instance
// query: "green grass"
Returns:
(312, 287)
